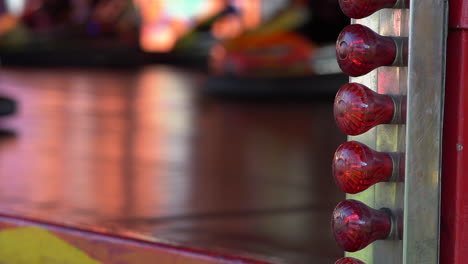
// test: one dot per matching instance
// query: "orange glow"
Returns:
(7, 23)
(179, 27)
(150, 10)
(161, 39)
(218, 52)
(227, 27)
(218, 55)
(251, 11)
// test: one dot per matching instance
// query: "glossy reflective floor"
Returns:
(141, 155)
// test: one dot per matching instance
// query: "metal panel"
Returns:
(426, 72)
(388, 138)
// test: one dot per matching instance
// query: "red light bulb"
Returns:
(358, 109)
(364, 8)
(359, 50)
(356, 167)
(355, 225)
(349, 261)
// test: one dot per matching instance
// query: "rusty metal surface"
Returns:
(139, 155)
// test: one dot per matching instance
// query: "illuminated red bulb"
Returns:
(364, 8)
(359, 50)
(356, 167)
(358, 109)
(355, 225)
(349, 261)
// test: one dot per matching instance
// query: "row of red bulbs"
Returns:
(357, 109)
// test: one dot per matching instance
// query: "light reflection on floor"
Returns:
(139, 153)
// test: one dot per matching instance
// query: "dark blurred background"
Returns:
(203, 122)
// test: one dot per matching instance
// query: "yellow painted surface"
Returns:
(32, 245)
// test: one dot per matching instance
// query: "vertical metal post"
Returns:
(426, 83)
